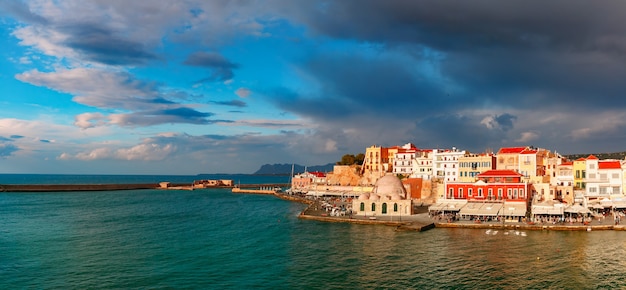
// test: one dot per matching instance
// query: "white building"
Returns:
(603, 179)
(423, 165)
(403, 161)
(446, 163)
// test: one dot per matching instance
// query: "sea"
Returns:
(214, 239)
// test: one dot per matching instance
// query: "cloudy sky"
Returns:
(188, 87)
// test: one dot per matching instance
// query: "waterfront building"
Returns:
(375, 164)
(422, 164)
(603, 180)
(387, 199)
(500, 193)
(508, 157)
(473, 164)
(403, 159)
(532, 165)
(446, 163)
(564, 182)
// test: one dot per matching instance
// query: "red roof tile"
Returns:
(592, 157)
(528, 151)
(609, 165)
(567, 163)
(509, 150)
(500, 173)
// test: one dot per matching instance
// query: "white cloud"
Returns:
(527, 137)
(243, 92)
(140, 152)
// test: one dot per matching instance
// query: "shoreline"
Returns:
(422, 222)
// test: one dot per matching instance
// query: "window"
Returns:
(602, 176)
(521, 193)
(480, 192)
(615, 176)
(451, 193)
(490, 193)
(395, 207)
(373, 207)
(499, 193)
(593, 190)
(460, 193)
(384, 211)
(592, 175)
(515, 193)
(592, 166)
(362, 208)
(469, 192)
(509, 193)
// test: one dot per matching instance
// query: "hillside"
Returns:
(614, 155)
(285, 169)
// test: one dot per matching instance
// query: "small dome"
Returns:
(395, 196)
(374, 197)
(364, 196)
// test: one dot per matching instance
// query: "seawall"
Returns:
(74, 187)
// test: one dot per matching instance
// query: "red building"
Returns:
(492, 185)
(495, 193)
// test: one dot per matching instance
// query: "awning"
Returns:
(481, 209)
(548, 210)
(577, 208)
(448, 205)
(513, 209)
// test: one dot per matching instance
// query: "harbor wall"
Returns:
(74, 187)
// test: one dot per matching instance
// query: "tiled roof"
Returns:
(592, 157)
(609, 165)
(528, 151)
(567, 163)
(505, 150)
(318, 174)
(581, 159)
(500, 173)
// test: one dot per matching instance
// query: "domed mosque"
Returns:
(388, 198)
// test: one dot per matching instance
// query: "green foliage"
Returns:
(350, 159)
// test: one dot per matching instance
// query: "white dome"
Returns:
(364, 196)
(391, 186)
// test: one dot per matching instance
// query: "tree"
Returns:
(350, 159)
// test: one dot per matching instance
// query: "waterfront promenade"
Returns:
(421, 221)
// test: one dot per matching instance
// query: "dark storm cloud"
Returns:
(155, 117)
(232, 103)
(99, 44)
(465, 132)
(221, 68)
(20, 10)
(553, 54)
(357, 84)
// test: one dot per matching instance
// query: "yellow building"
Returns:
(579, 169)
(472, 165)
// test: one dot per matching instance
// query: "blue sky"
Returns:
(188, 87)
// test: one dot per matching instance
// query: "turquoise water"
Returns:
(213, 239)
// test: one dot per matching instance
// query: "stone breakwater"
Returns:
(74, 187)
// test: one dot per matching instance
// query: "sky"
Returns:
(191, 87)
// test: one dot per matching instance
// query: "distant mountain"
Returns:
(285, 169)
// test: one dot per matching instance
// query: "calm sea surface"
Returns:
(212, 239)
